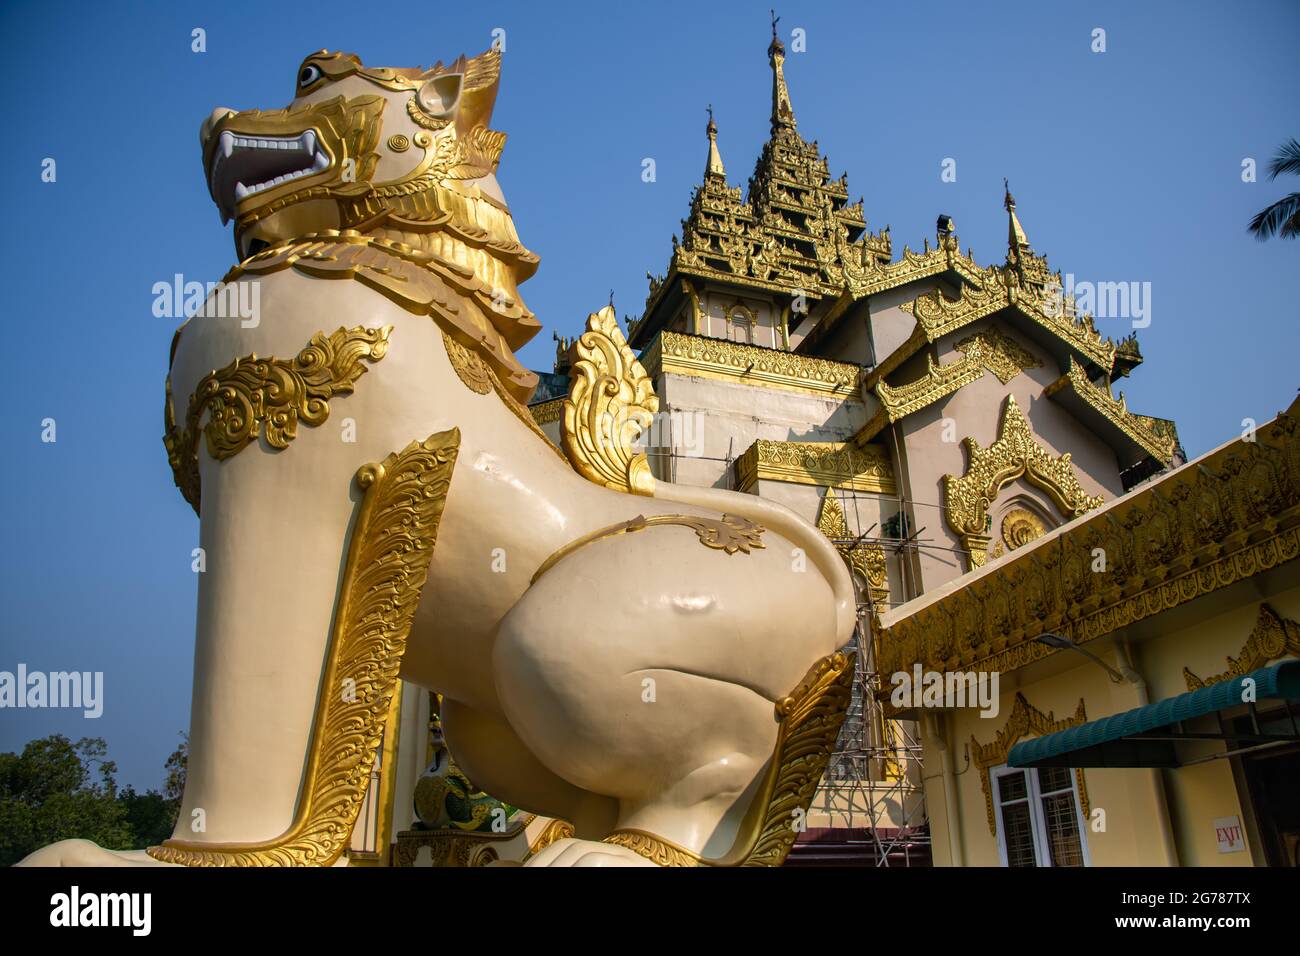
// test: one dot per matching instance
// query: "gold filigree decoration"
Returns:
(737, 363)
(470, 368)
(611, 402)
(1014, 454)
(728, 534)
(387, 562)
(1236, 514)
(255, 396)
(553, 832)
(546, 412)
(867, 559)
(1004, 357)
(1156, 441)
(1272, 637)
(1021, 526)
(828, 464)
(809, 721)
(1025, 719)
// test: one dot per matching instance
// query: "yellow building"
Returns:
(1143, 716)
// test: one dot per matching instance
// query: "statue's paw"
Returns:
(571, 852)
(85, 853)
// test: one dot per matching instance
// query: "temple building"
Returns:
(954, 429)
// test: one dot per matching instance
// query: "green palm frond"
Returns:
(1282, 218)
(1287, 160)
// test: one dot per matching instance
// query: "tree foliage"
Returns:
(59, 790)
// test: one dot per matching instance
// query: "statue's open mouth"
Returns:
(246, 165)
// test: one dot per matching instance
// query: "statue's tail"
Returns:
(790, 526)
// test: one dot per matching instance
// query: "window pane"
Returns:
(1011, 786)
(1019, 832)
(1051, 779)
(1062, 819)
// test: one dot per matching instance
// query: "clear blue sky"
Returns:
(1126, 166)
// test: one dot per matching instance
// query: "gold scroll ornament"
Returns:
(255, 396)
(611, 402)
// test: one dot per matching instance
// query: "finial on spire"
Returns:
(1017, 241)
(782, 111)
(714, 166)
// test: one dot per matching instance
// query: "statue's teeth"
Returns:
(320, 162)
(240, 191)
(227, 143)
(309, 140)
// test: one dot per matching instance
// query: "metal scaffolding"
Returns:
(873, 785)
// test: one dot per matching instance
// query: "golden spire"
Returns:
(782, 111)
(714, 168)
(1017, 241)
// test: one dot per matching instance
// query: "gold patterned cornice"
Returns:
(387, 563)
(1273, 637)
(255, 396)
(1015, 454)
(865, 558)
(1160, 444)
(1025, 719)
(719, 359)
(546, 412)
(829, 464)
(1226, 517)
(988, 350)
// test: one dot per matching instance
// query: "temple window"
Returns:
(1039, 823)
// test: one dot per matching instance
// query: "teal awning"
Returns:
(1146, 736)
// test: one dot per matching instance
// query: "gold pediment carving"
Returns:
(1015, 454)
(1272, 637)
(1025, 720)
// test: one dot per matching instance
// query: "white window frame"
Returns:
(1042, 855)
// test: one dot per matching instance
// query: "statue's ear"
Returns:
(440, 95)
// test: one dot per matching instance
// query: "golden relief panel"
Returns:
(829, 464)
(1236, 514)
(1020, 526)
(673, 352)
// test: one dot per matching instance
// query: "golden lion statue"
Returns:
(661, 665)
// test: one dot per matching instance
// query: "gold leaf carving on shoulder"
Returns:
(611, 402)
(255, 396)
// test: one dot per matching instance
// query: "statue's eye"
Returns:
(309, 75)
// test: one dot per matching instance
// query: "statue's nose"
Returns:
(217, 115)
